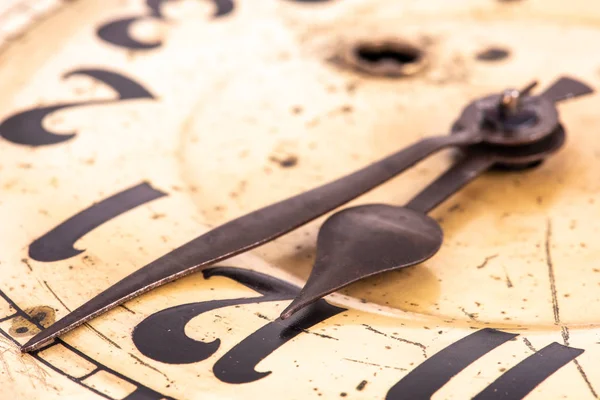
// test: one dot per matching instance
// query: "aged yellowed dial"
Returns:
(130, 128)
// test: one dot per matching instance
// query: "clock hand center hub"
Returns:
(510, 118)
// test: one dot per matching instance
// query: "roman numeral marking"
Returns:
(516, 383)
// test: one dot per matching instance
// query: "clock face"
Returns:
(128, 128)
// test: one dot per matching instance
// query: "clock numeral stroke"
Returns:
(26, 127)
(515, 383)
(442, 366)
(117, 32)
(140, 392)
(520, 380)
(58, 244)
(238, 364)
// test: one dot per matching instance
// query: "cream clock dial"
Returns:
(130, 128)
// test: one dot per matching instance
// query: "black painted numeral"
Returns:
(145, 393)
(58, 244)
(430, 376)
(118, 32)
(26, 127)
(238, 365)
(161, 337)
(426, 379)
(223, 7)
(168, 326)
(520, 380)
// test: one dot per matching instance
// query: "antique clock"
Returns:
(284, 199)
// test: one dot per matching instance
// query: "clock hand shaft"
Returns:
(250, 231)
(457, 176)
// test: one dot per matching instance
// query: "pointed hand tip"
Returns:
(288, 312)
(27, 347)
(34, 344)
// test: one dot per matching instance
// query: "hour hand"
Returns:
(362, 241)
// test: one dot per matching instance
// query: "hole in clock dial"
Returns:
(387, 57)
(387, 53)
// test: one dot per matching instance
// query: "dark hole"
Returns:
(289, 162)
(398, 53)
(39, 317)
(21, 330)
(493, 54)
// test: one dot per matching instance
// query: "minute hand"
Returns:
(250, 231)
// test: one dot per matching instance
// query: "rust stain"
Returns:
(43, 315)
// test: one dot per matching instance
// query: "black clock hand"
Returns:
(363, 241)
(455, 178)
(255, 229)
(250, 231)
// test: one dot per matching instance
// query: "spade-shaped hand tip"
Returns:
(363, 241)
(566, 88)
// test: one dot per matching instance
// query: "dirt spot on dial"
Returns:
(286, 162)
(284, 154)
(43, 315)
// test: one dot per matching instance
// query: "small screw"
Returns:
(510, 100)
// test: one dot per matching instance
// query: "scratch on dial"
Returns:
(555, 307)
